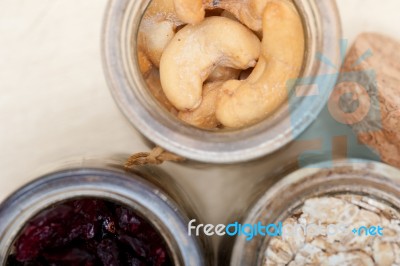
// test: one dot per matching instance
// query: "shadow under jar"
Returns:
(147, 195)
(322, 28)
(339, 198)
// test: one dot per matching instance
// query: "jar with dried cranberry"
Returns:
(100, 214)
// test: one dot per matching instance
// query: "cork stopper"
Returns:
(377, 58)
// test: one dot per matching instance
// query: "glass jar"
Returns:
(356, 177)
(148, 191)
(322, 31)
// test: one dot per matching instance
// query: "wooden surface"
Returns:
(55, 104)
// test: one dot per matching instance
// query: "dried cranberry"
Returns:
(108, 253)
(136, 262)
(89, 232)
(139, 247)
(37, 238)
(70, 256)
(127, 220)
(159, 256)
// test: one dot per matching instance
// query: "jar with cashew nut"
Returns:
(234, 106)
(197, 50)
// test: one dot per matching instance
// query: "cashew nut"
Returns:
(246, 102)
(153, 84)
(190, 11)
(161, 10)
(159, 25)
(249, 12)
(162, 18)
(145, 64)
(204, 115)
(155, 32)
(200, 53)
(196, 50)
(223, 74)
(154, 37)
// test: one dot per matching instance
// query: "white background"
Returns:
(55, 104)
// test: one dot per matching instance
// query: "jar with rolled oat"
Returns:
(343, 214)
